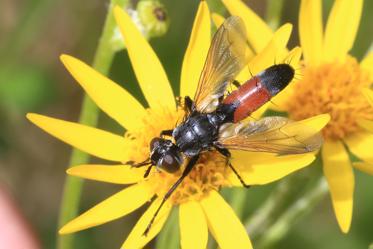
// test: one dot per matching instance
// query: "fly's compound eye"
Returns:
(154, 143)
(171, 162)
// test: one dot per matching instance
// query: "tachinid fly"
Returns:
(215, 119)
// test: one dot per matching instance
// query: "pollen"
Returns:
(209, 172)
(155, 121)
(333, 88)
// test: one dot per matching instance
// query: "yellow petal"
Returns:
(114, 207)
(340, 177)
(366, 124)
(247, 157)
(269, 171)
(223, 223)
(94, 141)
(278, 103)
(273, 50)
(196, 52)
(310, 30)
(146, 65)
(361, 144)
(364, 166)
(341, 28)
(217, 19)
(258, 32)
(110, 97)
(120, 174)
(193, 226)
(313, 125)
(293, 58)
(367, 64)
(368, 95)
(136, 239)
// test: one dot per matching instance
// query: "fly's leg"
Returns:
(166, 133)
(138, 165)
(147, 172)
(227, 154)
(186, 171)
(238, 176)
(188, 103)
(236, 83)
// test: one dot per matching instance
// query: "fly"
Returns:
(215, 121)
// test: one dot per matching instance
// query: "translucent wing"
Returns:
(227, 56)
(271, 134)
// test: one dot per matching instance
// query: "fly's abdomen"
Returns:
(259, 90)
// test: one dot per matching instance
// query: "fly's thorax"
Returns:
(196, 134)
(165, 155)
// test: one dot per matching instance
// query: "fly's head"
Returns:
(165, 155)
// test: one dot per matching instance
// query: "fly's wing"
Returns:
(271, 134)
(227, 56)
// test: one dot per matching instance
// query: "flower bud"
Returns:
(153, 17)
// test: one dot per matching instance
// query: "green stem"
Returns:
(89, 116)
(239, 201)
(286, 192)
(298, 209)
(169, 237)
(274, 11)
(276, 202)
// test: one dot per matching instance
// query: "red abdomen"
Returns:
(248, 98)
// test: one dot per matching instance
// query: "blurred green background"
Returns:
(33, 33)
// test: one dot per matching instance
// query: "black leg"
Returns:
(186, 171)
(238, 176)
(188, 102)
(147, 172)
(236, 83)
(138, 165)
(223, 151)
(227, 154)
(166, 133)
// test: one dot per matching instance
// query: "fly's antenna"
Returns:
(138, 165)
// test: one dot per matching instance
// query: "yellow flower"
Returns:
(332, 83)
(200, 206)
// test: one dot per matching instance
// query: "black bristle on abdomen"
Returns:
(277, 77)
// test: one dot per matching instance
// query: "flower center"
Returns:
(210, 172)
(333, 88)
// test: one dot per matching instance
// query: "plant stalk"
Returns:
(298, 209)
(89, 116)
